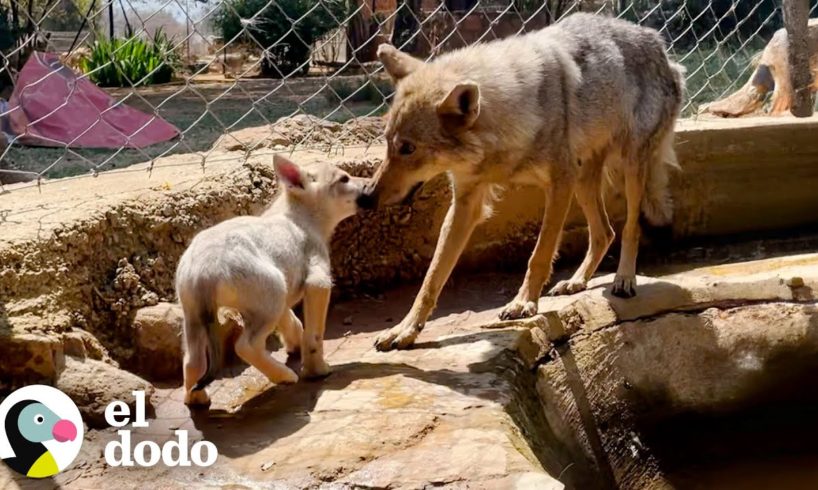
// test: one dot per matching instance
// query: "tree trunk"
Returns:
(358, 32)
(796, 14)
(30, 22)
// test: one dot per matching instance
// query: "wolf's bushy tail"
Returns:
(657, 203)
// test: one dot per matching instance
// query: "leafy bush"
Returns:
(686, 23)
(9, 33)
(134, 61)
(287, 29)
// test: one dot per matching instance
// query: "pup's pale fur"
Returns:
(550, 108)
(255, 269)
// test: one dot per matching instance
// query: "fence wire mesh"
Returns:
(281, 74)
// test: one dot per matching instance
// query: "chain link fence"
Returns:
(245, 75)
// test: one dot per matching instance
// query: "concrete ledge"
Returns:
(712, 341)
(745, 175)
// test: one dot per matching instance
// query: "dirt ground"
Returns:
(203, 111)
(460, 411)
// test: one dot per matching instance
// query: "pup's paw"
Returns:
(287, 377)
(624, 286)
(197, 398)
(518, 308)
(315, 368)
(568, 286)
(293, 350)
(401, 336)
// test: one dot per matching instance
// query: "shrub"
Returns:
(9, 33)
(134, 61)
(287, 29)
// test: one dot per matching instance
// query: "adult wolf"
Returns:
(552, 108)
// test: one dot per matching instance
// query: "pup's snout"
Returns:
(367, 200)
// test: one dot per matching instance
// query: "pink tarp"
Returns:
(52, 106)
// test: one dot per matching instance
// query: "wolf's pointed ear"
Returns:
(288, 172)
(397, 64)
(462, 106)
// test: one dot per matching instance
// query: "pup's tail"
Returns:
(657, 203)
(215, 347)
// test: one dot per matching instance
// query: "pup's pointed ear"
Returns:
(288, 172)
(397, 64)
(461, 107)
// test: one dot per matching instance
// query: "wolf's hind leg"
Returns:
(600, 232)
(624, 285)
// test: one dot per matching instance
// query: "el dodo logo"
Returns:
(40, 431)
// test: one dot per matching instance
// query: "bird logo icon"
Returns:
(40, 431)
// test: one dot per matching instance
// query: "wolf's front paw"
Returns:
(315, 368)
(518, 308)
(624, 286)
(569, 286)
(401, 336)
(197, 398)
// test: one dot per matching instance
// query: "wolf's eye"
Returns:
(344, 179)
(406, 148)
(39, 419)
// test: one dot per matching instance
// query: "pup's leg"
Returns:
(251, 346)
(461, 219)
(290, 330)
(557, 202)
(624, 284)
(600, 233)
(195, 360)
(316, 303)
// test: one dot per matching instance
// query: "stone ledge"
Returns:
(791, 278)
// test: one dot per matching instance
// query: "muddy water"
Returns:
(743, 451)
(769, 444)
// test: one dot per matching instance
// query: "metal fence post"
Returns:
(796, 15)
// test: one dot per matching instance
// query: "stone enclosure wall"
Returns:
(72, 276)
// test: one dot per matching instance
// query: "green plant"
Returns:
(9, 33)
(286, 29)
(131, 62)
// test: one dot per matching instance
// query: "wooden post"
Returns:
(796, 14)
(111, 20)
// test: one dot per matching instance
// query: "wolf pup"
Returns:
(551, 108)
(256, 268)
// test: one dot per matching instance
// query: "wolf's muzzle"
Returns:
(412, 193)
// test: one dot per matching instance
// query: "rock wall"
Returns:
(715, 342)
(77, 260)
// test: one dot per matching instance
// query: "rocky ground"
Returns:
(304, 131)
(578, 396)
